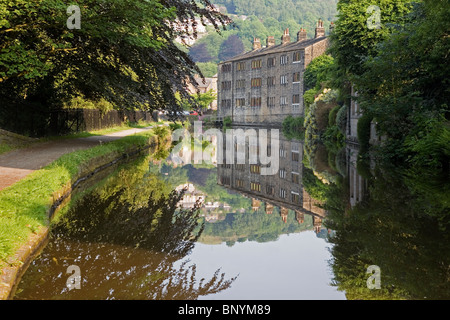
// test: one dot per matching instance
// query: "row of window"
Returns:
(271, 62)
(270, 190)
(257, 82)
(295, 156)
(257, 102)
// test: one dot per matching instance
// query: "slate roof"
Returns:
(292, 46)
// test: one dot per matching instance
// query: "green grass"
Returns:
(24, 206)
(5, 147)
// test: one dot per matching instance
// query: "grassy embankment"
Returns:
(25, 205)
(10, 141)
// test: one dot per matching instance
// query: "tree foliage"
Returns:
(123, 53)
(231, 47)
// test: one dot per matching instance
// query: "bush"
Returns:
(293, 128)
(341, 119)
(363, 131)
(332, 115)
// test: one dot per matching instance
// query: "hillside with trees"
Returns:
(260, 18)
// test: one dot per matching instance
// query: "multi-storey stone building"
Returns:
(266, 84)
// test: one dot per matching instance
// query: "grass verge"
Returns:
(24, 206)
(9, 145)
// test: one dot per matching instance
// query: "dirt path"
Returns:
(16, 165)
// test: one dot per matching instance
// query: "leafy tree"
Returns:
(208, 69)
(199, 53)
(231, 47)
(123, 53)
(317, 72)
(405, 89)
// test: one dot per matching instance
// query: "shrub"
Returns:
(363, 131)
(332, 115)
(293, 128)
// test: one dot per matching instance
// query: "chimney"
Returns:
(270, 41)
(286, 38)
(301, 35)
(320, 30)
(256, 44)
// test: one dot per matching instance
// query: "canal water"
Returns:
(164, 229)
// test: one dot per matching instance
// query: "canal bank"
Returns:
(28, 206)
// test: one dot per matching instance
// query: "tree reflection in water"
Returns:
(125, 249)
(402, 230)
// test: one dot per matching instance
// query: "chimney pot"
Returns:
(270, 41)
(320, 30)
(301, 35)
(286, 38)
(256, 44)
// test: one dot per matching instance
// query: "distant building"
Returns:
(266, 84)
(203, 87)
(190, 197)
(188, 31)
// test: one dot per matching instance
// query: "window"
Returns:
(240, 183)
(284, 80)
(240, 102)
(270, 190)
(256, 82)
(284, 59)
(255, 186)
(226, 85)
(240, 167)
(295, 177)
(271, 62)
(296, 99)
(297, 56)
(283, 101)
(240, 66)
(225, 180)
(256, 64)
(226, 103)
(296, 77)
(271, 102)
(295, 197)
(240, 84)
(226, 68)
(295, 156)
(282, 173)
(282, 152)
(271, 81)
(255, 102)
(282, 193)
(254, 168)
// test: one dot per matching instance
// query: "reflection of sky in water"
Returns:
(295, 267)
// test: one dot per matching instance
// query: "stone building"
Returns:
(266, 84)
(201, 86)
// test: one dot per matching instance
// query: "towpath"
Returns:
(16, 165)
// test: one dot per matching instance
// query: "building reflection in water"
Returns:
(283, 189)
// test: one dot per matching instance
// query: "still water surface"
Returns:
(158, 230)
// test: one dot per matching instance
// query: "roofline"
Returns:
(292, 46)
